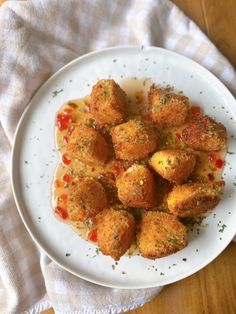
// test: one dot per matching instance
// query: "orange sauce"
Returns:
(209, 165)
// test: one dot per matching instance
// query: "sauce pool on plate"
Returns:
(76, 112)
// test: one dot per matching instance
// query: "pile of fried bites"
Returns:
(156, 233)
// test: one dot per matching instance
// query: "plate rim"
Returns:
(17, 136)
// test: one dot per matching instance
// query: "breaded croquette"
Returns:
(87, 145)
(115, 232)
(203, 133)
(86, 199)
(167, 109)
(160, 234)
(173, 165)
(108, 102)
(133, 140)
(136, 187)
(193, 199)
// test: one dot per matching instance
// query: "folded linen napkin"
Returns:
(38, 37)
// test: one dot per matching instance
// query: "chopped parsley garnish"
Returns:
(172, 240)
(164, 99)
(211, 128)
(56, 92)
(222, 228)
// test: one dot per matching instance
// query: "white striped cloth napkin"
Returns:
(38, 37)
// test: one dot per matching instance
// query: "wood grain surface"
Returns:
(213, 289)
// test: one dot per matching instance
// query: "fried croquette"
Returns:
(193, 199)
(160, 234)
(203, 133)
(136, 187)
(87, 145)
(173, 165)
(108, 102)
(133, 140)
(86, 199)
(115, 232)
(167, 109)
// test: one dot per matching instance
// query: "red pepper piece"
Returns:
(196, 110)
(66, 159)
(178, 135)
(92, 235)
(63, 198)
(66, 178)
(61, 212)
(65, 140)
(57, 183)
(63, 121)
(219, 163)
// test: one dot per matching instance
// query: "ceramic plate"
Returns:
(34, 160)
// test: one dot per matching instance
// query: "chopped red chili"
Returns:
(178, 135)
(61, 212)
(65, 139)
(63, 198)
(57, 183)
(66, 159)
(63, 121)
(66, 178)
(219, 163)
(71, 129)
(92, 235)
(196, 110)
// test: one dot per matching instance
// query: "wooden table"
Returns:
(213, 289)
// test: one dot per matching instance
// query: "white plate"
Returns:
(34, 160)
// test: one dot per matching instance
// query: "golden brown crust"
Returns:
(203, 133)
(193, 199)
(133, 140)
(108, 102)
(167, 109)
(173, 165)
(136, 187)
(161, 234)
(87, 145)
(116, 231)
(86, 198)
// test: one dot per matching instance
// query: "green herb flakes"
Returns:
(222, 228)
(172, 240)
(164, 99)
(56, 92)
